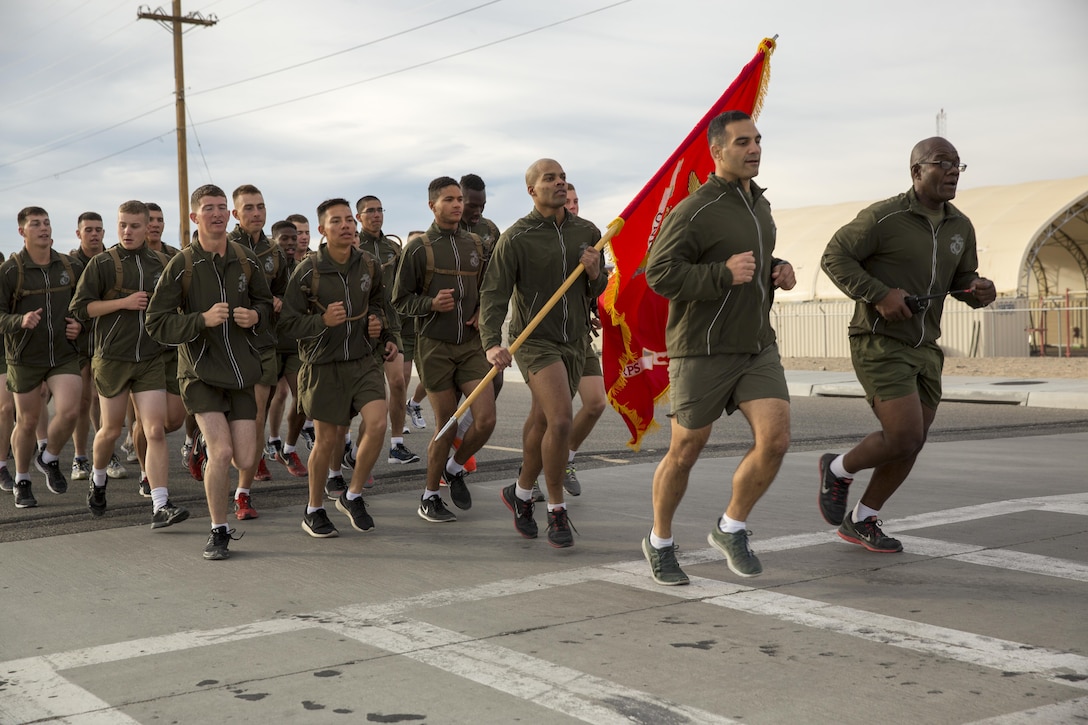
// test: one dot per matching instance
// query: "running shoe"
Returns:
(96, 499)
(833, 491)
(400, 454)
(24, 497)
(522, 510)
(433, 509)
(114, 469)
(294, 464)
(459, 492)
(318, 525)
(415, 415)
(738, 554)
(571, 484)
(334, 486)
(356, 511)
(243, 507)
(560, 529)
(81, 469)
(54, 479)
(262, 474)
(218, 541)
(867, 533)
(664, 567)
(168, 515)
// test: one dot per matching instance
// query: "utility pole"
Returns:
(174, 22)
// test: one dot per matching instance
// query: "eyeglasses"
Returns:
(374, 210)
(946, 165)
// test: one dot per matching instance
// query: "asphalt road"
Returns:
(817, 424)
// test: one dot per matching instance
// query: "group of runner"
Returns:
(233, 323)
(219, 334)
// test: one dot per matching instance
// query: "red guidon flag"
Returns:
(636, 368)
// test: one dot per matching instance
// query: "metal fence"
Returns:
(1011, 327)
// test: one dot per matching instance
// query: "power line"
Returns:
(61, 143)
(346, 50)
(88, 163)
(321, 93)
(423, 64)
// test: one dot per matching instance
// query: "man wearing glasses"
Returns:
(913, 244)
(371, 217)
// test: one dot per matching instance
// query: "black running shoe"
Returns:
(459, 493)
(218, 541)
(308, 436)
(560, 529)
(867, 533)
(522, 510)
(400, 454)
(168, 515)
(7, 483)
(356, 511)
(24, 497)
(96, 499)
(833, 491)
(318, 525)
(433, 509)
(54, 479)
(334, 487)
(145, 487)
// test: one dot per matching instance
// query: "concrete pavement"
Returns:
(980, 620)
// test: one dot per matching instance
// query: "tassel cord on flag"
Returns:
(613, 229)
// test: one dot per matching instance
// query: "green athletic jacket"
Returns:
(225, 356)
(892, 244)
(85, 342)
(119, 335)
(273, 263)
(530, 262)
(686, 264)
(387, 252)
(358, 284)
(48, 288)
(458, 264)
(488, 233)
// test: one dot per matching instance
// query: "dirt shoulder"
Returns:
(996, 367)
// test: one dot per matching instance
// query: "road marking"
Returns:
(562, 689)
(501, 448)
(36, 691)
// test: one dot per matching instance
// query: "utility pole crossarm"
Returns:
(174, 23)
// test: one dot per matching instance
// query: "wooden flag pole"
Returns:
(613, 229)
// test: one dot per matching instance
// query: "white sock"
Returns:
(862, 512)
(570, 458)
(239, 491)
(394, 442)
(428, 493)
(98, 477)
(523, 494)
(463, 425)
(311, 509)
(159, 497)
(353, 496)
(658, 543)
(728, 526)
(557, 506)
(839, 470)
(333, 473)
(453, 467)
(188, 440)
(48, 457)
(287, 449)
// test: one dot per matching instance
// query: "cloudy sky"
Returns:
(310, 100)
